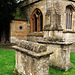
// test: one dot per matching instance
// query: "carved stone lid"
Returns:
(33, 54)
(32, 46)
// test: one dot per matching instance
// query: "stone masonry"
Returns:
(35, 58)
(18, 30)
(54, 19)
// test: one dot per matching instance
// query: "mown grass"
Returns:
(54, 71)
(7, 62)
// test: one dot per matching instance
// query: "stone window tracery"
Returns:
(68, 17)
(36, 21)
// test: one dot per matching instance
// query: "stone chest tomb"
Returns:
(32, 58)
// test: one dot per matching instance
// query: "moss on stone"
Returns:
(54, 39)
(18, 14)
(16, 72)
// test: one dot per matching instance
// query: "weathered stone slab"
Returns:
(31, 53)
(35, 47)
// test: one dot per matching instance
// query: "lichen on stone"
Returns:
(54, 39)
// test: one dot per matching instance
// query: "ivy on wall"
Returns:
(18, 14)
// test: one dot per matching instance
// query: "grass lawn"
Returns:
(54, 71)
(7, 64)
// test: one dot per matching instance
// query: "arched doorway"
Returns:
(36, 21)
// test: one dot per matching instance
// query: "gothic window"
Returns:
(36, 21)
(68, 17)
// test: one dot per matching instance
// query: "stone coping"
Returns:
(68, 31)
(53, 29)
(33, 54)
(23, 4)
(56, 43)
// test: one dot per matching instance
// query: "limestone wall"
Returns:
(29, 9)
(69, 36)
(63, 17)
(51, 11)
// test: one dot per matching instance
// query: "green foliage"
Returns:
(7, 62)
(18, 14)
(7, 7)
(54, 71)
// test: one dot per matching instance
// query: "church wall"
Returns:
(68, 34)
(66, 3)
(59, 9)
(50, 12)
(28, 10)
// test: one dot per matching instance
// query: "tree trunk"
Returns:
(3, 38)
